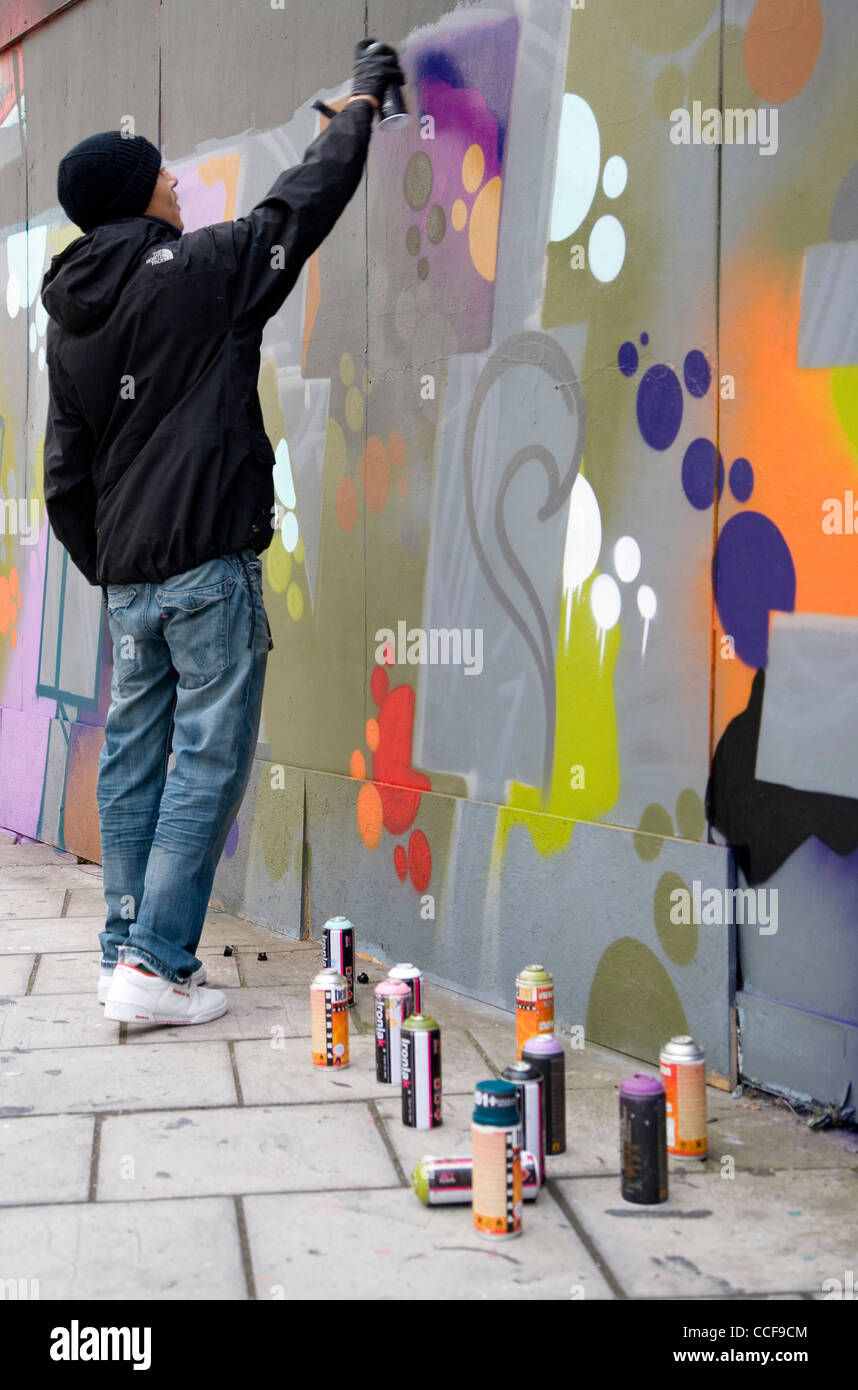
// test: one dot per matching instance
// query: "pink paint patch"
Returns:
(200, 205)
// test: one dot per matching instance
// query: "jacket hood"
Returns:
(82, 285)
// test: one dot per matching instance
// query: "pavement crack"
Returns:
(381, 1126)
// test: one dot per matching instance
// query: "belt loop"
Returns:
(252, 601)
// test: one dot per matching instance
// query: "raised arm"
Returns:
(274, 241)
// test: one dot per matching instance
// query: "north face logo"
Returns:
(163, 254)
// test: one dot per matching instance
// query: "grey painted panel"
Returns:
(494, 911)
(233, 65)
(810, 961)
(260, 872)
(808, 1056)
(807, 730)
(828, 335)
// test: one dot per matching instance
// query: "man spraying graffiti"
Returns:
(158, 482)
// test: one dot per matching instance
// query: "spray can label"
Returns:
(497, 1183)
(534, 1011)
(685, 1097)
(329, 1027)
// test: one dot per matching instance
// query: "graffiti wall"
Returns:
(562, 577)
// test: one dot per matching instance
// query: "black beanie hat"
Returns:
(107, 176)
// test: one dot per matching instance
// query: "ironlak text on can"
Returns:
(643, 1147)
(414, 979)
(391, 998)
(547, 1056)
(421, 1072)
(496, 1139)
(443, 1182)
(683, 1071)
(329, 1020)
(528, 1084)
(534, 1004)
(338, 943)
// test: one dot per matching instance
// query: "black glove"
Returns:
(376, 69)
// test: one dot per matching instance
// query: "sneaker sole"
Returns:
(130, 1013)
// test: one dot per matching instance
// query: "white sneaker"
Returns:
(136, 997)
(105, 976)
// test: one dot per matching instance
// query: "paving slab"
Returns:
(252, 1013)
(77, 972)
(758, 1134)
(15, 974)
(222, 929)
(48, 934)
(30, 902)
(293, 964)
(45, 1158)
(55, 1020)
(86, 902)
(128, 1250)
(91, 1079)
(285, 1074)
(258, 1149)
(388, 1246)
(755, 1233)
(43, 877)
(29, 853)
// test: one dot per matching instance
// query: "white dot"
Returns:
(583, 535)
(41, 317)
(647, 602)
(13, 295)
(34, 337)
(627, 559)
(607, 249)
(283, 484)
(289, 531)
(576, 175)
(41, 359)
(615, 175)
(605, 601)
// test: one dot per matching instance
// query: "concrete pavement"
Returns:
(213, 1162)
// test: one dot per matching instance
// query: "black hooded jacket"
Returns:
(156, 457)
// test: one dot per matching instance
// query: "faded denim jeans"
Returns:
(189, 660)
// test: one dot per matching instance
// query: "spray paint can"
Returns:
(528, 1084)
(421, 1072)
(414, 979)
(338, 941)
(547, 1056)
(643, 1140)
(329, 1020)
(443, 1182)
(683, 1071)
(534, 1004)
(496, 1139)
(391, 997)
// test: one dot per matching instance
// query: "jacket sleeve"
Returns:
(273, 242)
(69, 490)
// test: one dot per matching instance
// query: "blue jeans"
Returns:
(189, 660)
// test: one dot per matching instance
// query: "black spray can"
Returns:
(546, 1055)
(643, 1140)
(528, 1083)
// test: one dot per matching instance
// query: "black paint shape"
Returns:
(766, 822)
